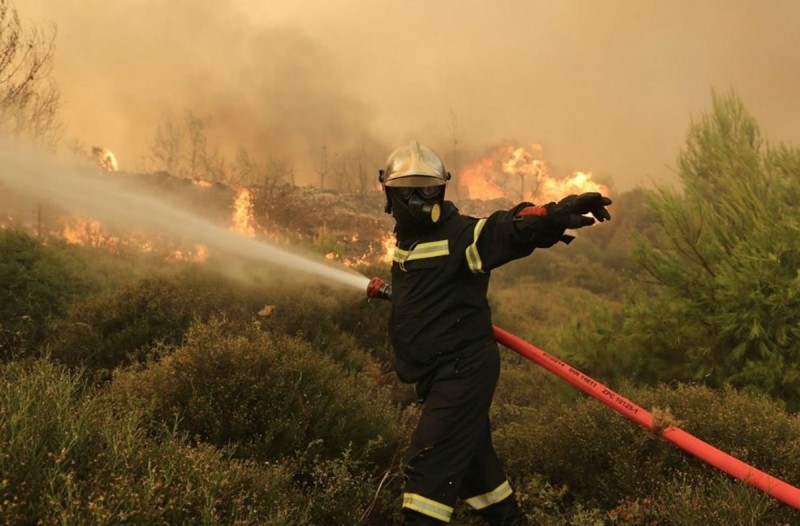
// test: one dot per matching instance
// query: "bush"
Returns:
(346, 490)
(264, 396)
(534, 310)
(716, 500)
(605, 460)
(106, 331)
(68, 456)
(36, 286)
(315, 314)
(119, 328)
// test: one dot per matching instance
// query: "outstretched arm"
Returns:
(512, 234)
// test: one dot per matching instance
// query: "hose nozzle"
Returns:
(379, 289)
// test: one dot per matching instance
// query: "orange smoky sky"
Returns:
(609, 87)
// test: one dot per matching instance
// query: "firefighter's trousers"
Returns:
(451, 454)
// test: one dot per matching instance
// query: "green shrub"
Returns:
(313, 313)
(35, 287)
(265, 396)
(603, 459)
(749, 426)
(716, 500)
(368, 322)
(348, 490)
(534, 310)
(39, 283)
(106, 331)
(68, 456)
(119, 328)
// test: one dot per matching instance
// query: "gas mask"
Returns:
(419, 205)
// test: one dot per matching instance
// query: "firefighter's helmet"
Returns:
(414, 165)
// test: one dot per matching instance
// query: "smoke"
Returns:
(608, 88)
(274, 91)
(129, 206)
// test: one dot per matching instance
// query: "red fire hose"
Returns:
(782, 491)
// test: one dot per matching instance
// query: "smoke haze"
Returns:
(608, 87)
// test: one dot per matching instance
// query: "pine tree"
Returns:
(725, 262)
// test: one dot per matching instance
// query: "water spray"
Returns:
(131, 205)
(774, 487)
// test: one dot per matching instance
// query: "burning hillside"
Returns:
(350, 229)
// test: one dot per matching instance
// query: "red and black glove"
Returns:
(569, 212)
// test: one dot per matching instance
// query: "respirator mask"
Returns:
(420, 205)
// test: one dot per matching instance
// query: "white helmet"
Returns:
(413, 166)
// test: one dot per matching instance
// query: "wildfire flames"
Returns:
(81, 232)
(198, 255)
(387, 248)
(105, 158)
(520, 174)
(378, 252)
(91, 233)
(508, 172)
(242, 221)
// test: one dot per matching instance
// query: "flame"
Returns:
(84, 232)
(376, 253)
(554, 189)
(199, 254)
(478, 182)
(242, 219)
(90, 233)
(520, 174)
(105, 158)
(387, 246)
(202, 184)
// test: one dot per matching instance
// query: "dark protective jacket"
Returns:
(440, 277)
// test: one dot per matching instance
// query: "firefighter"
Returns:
(441, 329)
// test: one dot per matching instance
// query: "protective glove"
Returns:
(568, 213)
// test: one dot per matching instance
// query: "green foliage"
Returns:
(630, 343)
(728, 254)
(581, 264)
(720, 296)
(315, 314)
(604, 460)
(264, 396)
(533, 308)
(67, 456)
(715, 500)
(108, 330)
(36, 285)
(347, 489)
(367, 320)
(597, 260)
(119, 327)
